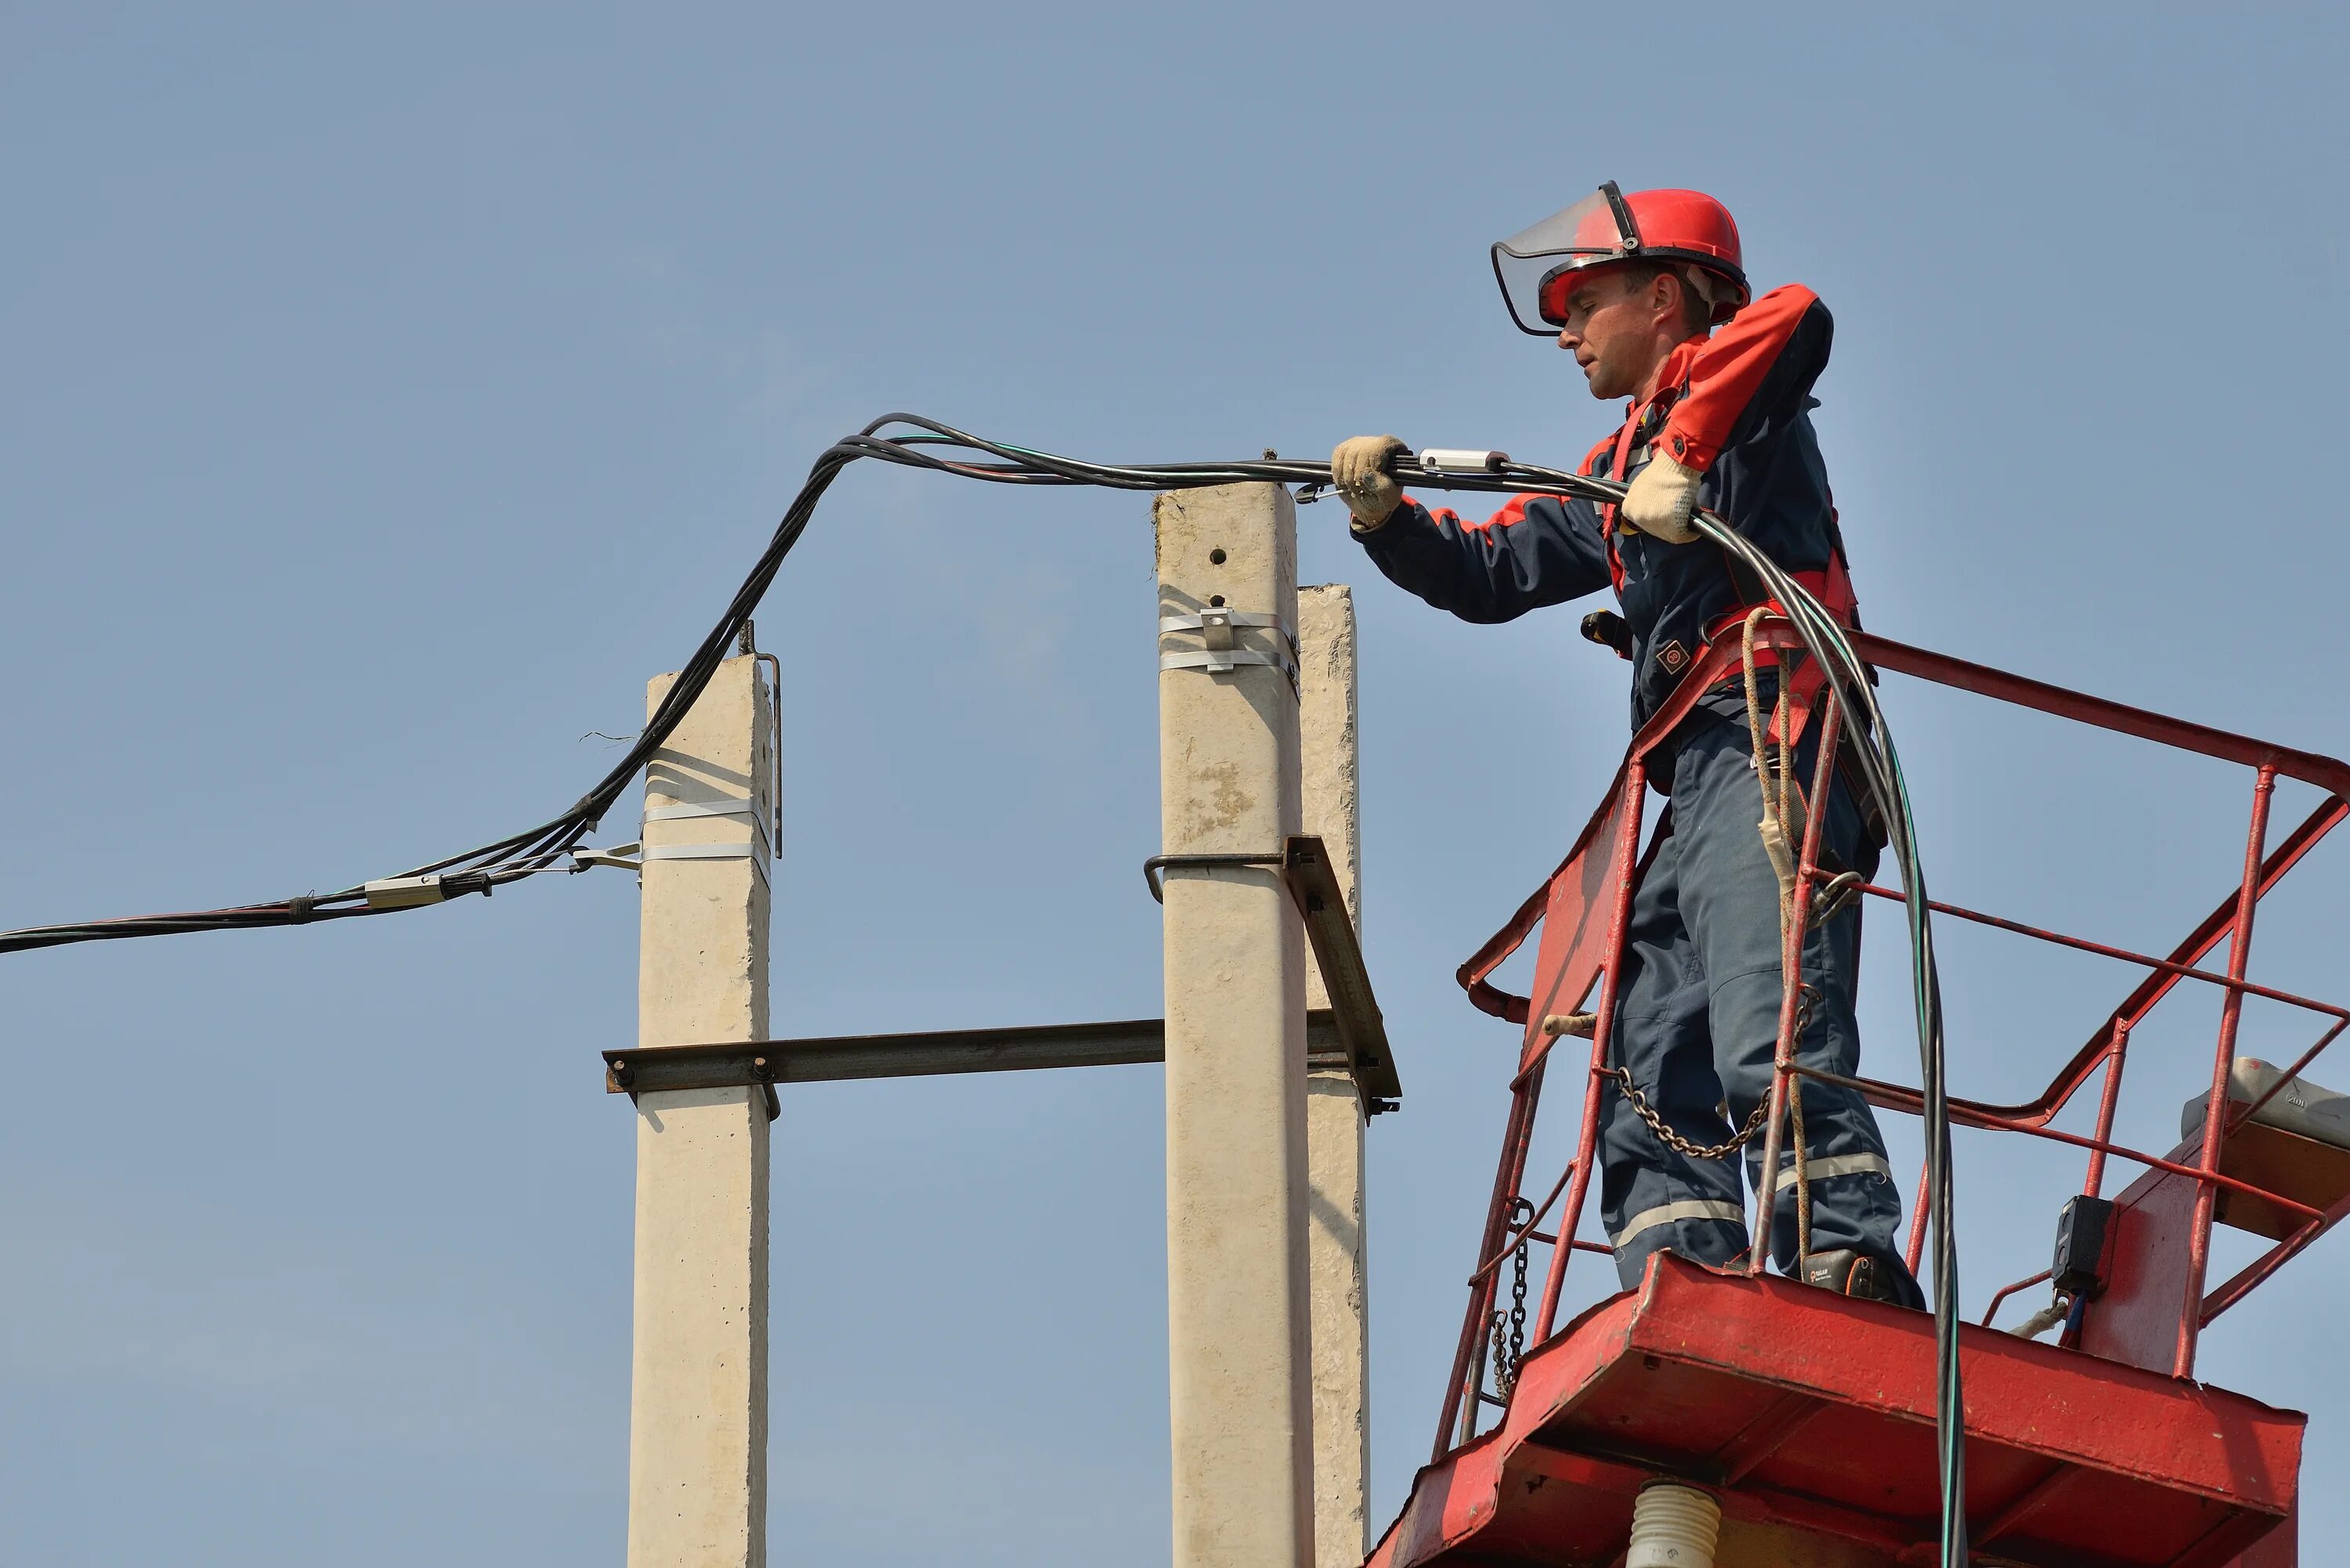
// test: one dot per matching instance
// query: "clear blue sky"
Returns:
(385, 394)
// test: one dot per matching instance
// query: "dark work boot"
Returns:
(1852, 1274)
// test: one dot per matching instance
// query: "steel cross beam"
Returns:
(1349, 1034)
(836, 1058)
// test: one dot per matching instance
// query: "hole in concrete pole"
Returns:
(1215, 601)
(1216, 558)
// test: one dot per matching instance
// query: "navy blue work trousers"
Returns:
(1697, 1025)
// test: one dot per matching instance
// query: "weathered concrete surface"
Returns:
(698, 1394)
(1240, 1385)
(1328, 755)
(1336, 1259)
(703, 969)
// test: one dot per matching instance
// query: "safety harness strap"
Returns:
(1800, 687)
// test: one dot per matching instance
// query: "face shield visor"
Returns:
(1535, 266)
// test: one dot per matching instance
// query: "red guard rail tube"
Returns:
(2223, 1063)
(1587, 1150)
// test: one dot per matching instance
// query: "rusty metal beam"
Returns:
(1362, 1032)
(840, 1057)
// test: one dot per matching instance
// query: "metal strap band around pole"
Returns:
(1219, 660)
(692, 808)
(1215, 618)
(1219, 654)
(754, 853)
(702, 851)
(689, 810)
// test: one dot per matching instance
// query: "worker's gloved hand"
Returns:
(1370, 494)
(1659, 499)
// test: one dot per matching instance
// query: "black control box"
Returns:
(2085, 1234)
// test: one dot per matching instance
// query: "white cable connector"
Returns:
(404, 892)
(1459, 459)
(415, 892)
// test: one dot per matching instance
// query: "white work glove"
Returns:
(1371, 495)
(1660, 499)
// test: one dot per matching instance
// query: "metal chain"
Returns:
(1675, 1141)
(1517, 1315)
(1508, 1353)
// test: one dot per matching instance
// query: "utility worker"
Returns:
(1649, 293)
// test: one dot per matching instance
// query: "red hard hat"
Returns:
(1535, 268)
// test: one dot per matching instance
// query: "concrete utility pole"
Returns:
(1241, 1392)
(1335, 1250)
(698, 1394)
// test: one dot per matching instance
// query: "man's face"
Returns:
(1611, 330)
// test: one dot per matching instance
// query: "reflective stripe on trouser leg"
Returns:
(1863, 1164)
(1667, 1213)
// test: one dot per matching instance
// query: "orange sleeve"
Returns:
(1762, 362)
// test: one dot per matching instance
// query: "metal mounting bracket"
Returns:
(1219, 652)
(1330, 931)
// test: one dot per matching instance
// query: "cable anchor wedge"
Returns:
(622, 856)
(415, 892)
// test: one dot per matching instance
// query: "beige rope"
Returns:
(1785, 814)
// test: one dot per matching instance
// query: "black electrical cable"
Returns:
(536, 849)
(490, 866)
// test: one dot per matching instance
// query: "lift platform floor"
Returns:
(1811, 1417)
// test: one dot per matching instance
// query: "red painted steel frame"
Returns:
(1627, 844)
(1810, 1417)
(2223, 1064)
(1576, 951)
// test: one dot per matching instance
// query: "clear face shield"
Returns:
(1530, 265)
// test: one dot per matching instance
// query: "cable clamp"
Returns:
(1454, 460)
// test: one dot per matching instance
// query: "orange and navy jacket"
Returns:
(1734, 406)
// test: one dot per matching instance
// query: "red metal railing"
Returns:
(1583, 908)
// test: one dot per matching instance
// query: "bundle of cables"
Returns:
(925, 443)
